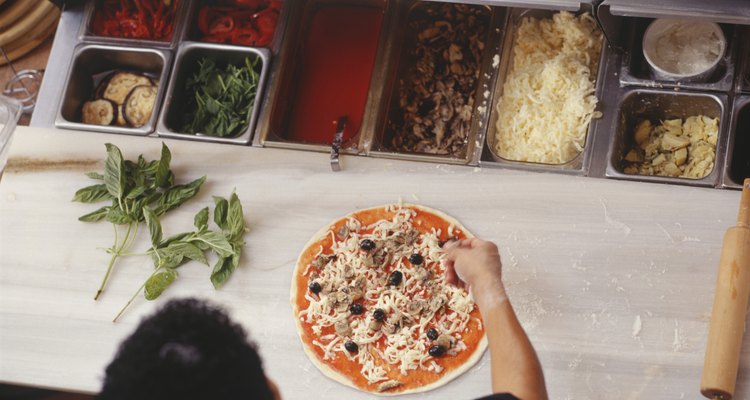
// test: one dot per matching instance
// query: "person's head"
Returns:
(188, 349)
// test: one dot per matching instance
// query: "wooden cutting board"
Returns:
(612, 280)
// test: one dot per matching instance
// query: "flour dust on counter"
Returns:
(139, 193)
(372, 305)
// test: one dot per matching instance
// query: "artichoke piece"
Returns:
(671, 142)
(642, 131)
(680, 156)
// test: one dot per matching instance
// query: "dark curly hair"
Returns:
(188, 349)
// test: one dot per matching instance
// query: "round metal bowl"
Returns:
(678, 50)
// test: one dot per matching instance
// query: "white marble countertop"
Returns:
(613, 280)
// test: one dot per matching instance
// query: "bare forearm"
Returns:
(515, 366)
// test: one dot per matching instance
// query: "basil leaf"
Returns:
(158, 283)
(95, 175)
(164, 258)
(220, 212)
(175, 238)
(188, 250)
(95, 216)
(176, 195)
(216, 241)
(116, 216)
(114, 172)
(162, 170)
(92, 194)
(224, 268)
(235, 218)
(153, 224)
(201, 219)
(137, 191)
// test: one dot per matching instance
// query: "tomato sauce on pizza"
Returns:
(372, 306)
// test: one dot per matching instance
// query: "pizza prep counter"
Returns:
(613, 280)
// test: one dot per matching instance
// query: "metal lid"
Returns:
(567, 5)
(722, 11)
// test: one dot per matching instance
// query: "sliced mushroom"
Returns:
(446, 341)
(415, 307)
(343, 328)
(437, 301)
(375, 325)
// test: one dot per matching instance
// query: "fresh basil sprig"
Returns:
(139, 193)
(221, 99)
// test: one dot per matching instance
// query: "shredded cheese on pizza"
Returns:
(349, 274)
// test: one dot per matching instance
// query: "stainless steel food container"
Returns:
(86, 34)
(635, 70)
(399, 63)
(92, 63)
(579, 164)
(186, 64)
(189, 30)
(656, 105)
(275, 110)
(743, 79)
(737, 165)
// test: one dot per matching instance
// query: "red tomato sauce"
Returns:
(333, 72)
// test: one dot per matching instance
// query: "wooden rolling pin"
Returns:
(730, 308)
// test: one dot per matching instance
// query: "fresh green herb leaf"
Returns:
(114, 172)
(95, 175)
(216, 241)
(175, 238)
(201, 219)
(154, 226)
(116, 216)
(187, 249)
(95, 216)
(235, 219)
(92, 194)
(165, 258)
(176, 195)
(223, 98)
(223, 269)
(137, 191)
(158, 283)
(162, 170)
(220, 212)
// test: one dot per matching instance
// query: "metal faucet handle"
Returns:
(338, 138)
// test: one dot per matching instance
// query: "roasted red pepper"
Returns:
(240, 22)
(136, 19)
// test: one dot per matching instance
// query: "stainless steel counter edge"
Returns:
(58, 64)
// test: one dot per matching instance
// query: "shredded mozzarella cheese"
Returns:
(548, 96)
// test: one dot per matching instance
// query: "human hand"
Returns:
(475, 264)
